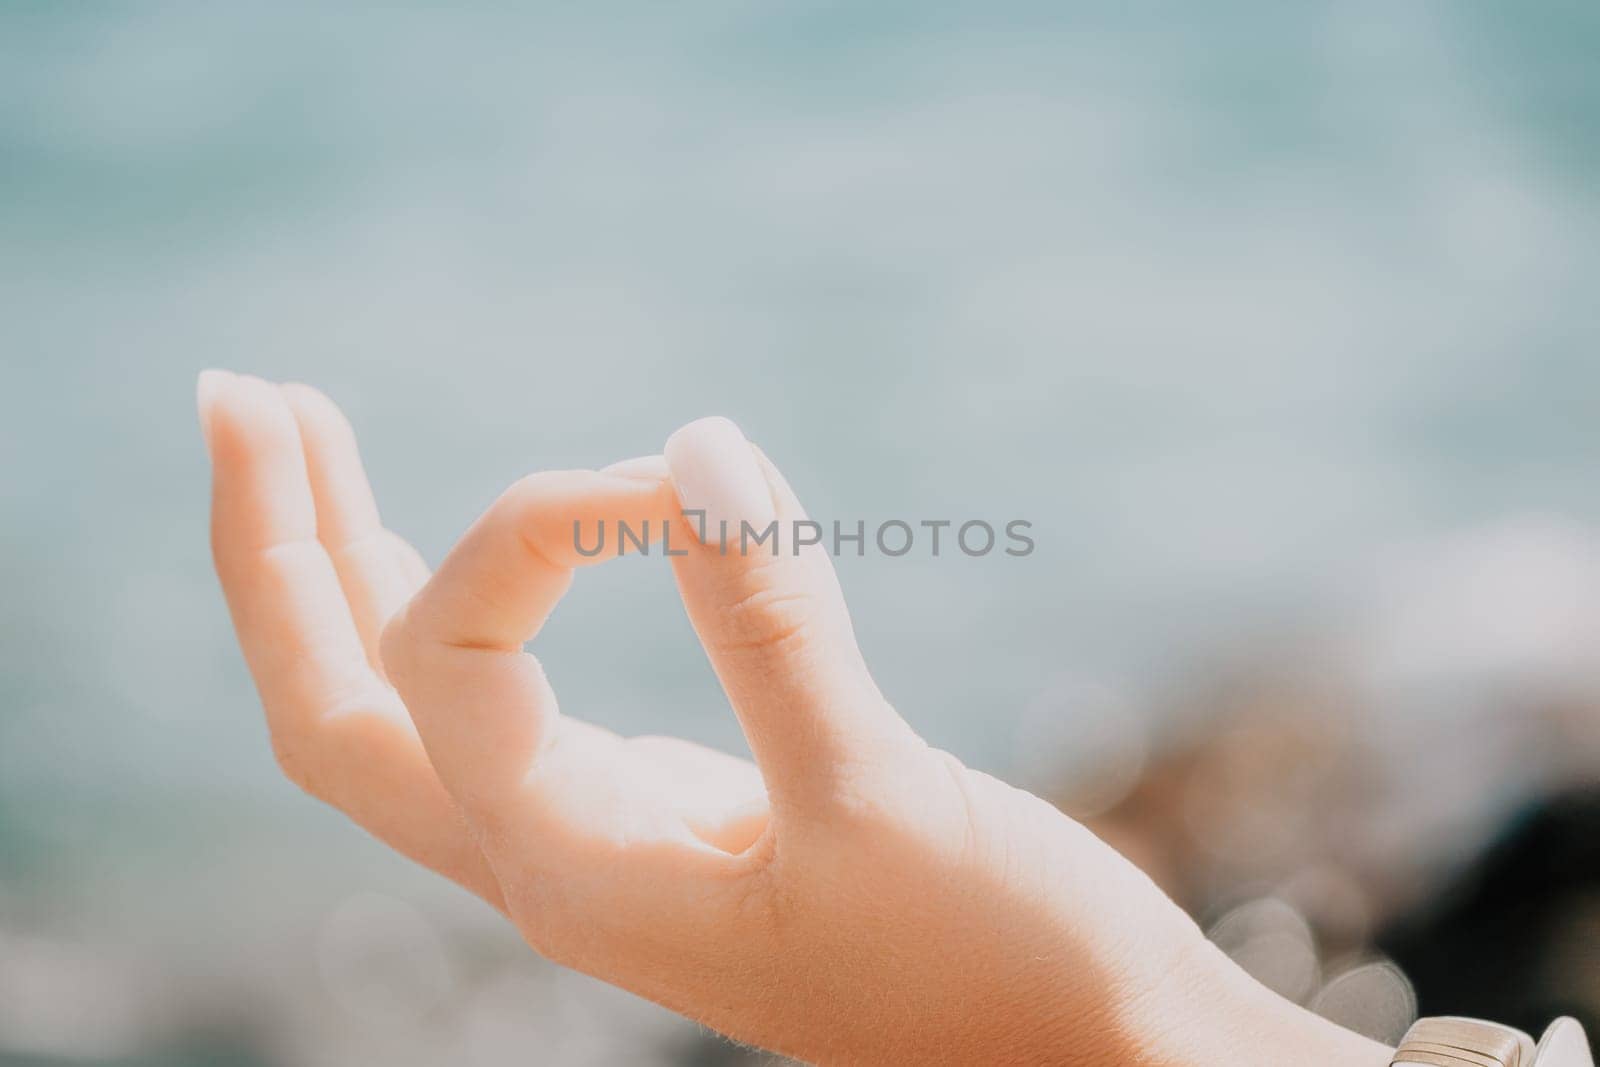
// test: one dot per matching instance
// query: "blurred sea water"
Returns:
(1225, 300)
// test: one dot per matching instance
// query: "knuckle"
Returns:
(768, 616)
(534, 491)
(527, 489)
(531, 505)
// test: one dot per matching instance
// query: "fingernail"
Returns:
(715, 472)
(205, 393)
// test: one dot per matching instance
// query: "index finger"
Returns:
(483, 708)
(504, 577)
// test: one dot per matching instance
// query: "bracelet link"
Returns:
(1448, 1041)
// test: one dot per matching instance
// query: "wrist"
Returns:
(1207, 1012)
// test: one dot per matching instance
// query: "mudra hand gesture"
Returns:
(852, 896)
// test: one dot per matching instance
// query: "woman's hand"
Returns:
(853, 896)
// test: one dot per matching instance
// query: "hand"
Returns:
(854, 896)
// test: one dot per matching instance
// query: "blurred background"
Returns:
(1279, 323)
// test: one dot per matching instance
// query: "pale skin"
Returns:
(852, 896)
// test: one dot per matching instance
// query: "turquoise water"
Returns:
(1224, 301)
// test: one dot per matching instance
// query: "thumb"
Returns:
(763, 598)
